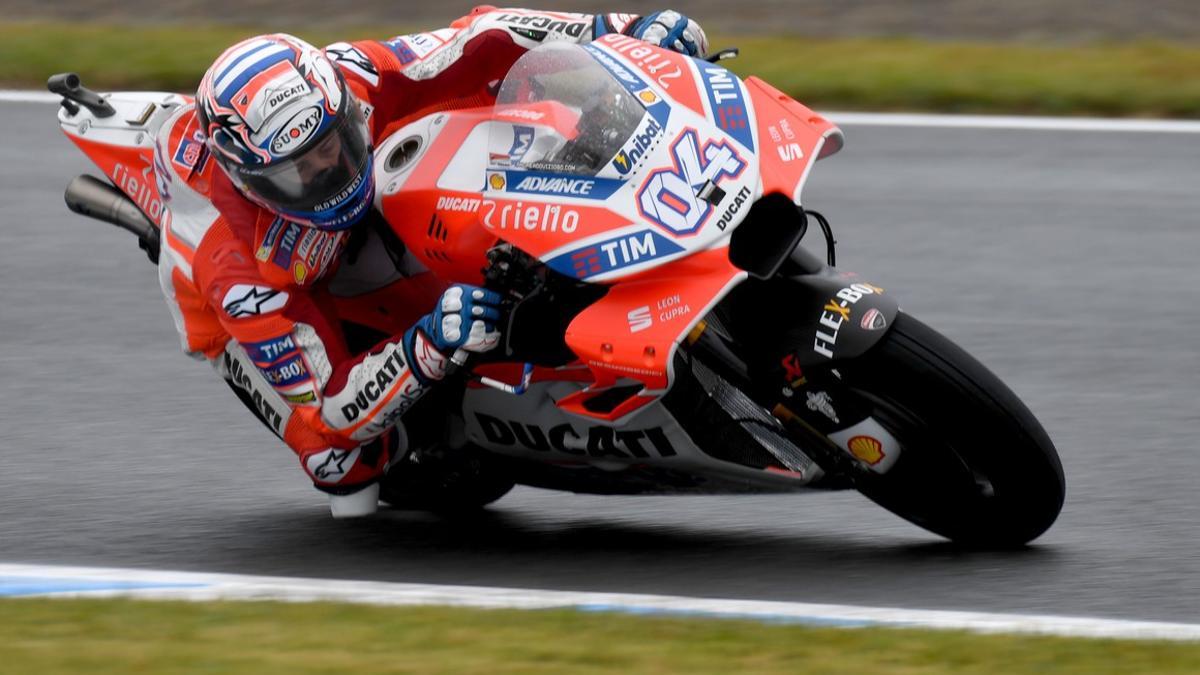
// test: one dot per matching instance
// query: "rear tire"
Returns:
(456, 483)
(976, 466)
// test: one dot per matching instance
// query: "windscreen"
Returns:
(597, 114)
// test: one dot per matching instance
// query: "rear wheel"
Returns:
(976, 466)
(457, 482)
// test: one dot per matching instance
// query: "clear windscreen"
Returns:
(568, 115)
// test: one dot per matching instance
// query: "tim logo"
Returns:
(671, 198)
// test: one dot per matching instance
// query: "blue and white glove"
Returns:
(671, 30)
(465, 318)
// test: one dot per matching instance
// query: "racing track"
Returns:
(1065, 260)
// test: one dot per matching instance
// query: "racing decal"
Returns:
(427, 358)
(680, 198)
(287, 373)
(189, 152)
(869, 443)
(262, 399)
(246, 73)
(873, 319)
(565, 185)
(270, 239)
(637, 146)
(669, 70)
(381, 380)
(460, 204)
(418, 46)
(302, 398)
(265, 94)
(866, 448)
(728, 102)
(740, 199)
(349, 58)
(400, 48)
(296, 130)
(836, 312)
(287, 243)
(142, 188)
(311, 235)
(632, 83)
(246, 300)
(820, 401)
(269, 351)
(596, 441)
(537, 27)
(639, 319)
(522, 141)
(668, 309)
(533, 217)
(613, 254)
(331, 465)
(656, 63)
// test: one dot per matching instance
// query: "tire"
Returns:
(976, 466)
(459, 484)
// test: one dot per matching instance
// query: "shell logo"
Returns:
(300, 272)
(866, 449)
(648, 96)
(496, 181)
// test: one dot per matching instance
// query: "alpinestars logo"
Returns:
(245, 300)
(334, 466)
(349, 57)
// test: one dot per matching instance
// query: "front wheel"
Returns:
(976, 466)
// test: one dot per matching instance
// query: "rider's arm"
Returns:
(412, 75)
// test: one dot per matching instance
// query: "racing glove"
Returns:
(671, 30)
(465, 318)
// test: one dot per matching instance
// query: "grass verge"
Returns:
(1125, 79)
(124, 636)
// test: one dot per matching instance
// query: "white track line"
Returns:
(898, 119)
(1014, 122)
(54, 581)
(12, 96)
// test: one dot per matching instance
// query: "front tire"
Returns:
(976, 466)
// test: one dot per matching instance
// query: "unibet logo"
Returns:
(625, 159)
(296, 130)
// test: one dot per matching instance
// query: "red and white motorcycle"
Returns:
(668, 333)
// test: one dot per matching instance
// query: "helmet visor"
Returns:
(319, 178)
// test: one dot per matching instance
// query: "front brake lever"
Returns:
(458, 362)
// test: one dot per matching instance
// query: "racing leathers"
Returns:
(270, 302)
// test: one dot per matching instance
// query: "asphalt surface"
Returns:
(1065, 261)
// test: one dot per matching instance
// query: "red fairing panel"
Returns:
(631, 334)
(792, 137)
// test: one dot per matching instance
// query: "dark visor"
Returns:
(314, 179)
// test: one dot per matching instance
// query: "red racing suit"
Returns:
(267, 301)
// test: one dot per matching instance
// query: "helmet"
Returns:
(282, 124)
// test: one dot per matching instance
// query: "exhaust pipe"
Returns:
(94, 198)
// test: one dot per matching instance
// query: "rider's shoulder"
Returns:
(180, 143)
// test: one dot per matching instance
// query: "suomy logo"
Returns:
(299, 128)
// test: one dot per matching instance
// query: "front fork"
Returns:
(787, 336)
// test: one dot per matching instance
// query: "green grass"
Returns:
(122, 636)
(1124, 79)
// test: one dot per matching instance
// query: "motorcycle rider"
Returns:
(269, 187)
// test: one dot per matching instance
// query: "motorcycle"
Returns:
(667, 331)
